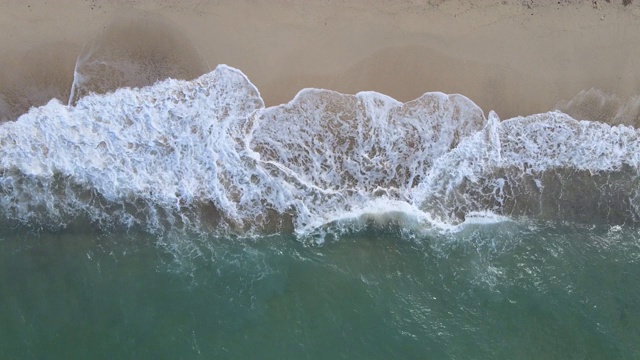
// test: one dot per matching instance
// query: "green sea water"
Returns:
(493, 291)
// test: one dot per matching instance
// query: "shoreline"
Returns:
(507, 56)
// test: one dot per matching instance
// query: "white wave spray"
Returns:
(207, 156)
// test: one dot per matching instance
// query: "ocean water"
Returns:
(186, 219)
(491, 291)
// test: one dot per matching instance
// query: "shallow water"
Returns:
(496, 291)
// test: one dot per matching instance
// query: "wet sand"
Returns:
(516, 57)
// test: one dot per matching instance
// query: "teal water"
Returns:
(501, 291)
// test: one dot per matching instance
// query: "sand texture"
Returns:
(515, 57)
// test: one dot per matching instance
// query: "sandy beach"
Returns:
(516, 57)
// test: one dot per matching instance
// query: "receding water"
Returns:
(499, 291)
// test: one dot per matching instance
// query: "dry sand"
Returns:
(516, 57)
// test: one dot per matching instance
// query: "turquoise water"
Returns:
(501, 291)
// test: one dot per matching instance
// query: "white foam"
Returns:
(519, 149)
(167, 145)
(206, 155)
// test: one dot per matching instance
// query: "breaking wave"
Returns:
(207, 156)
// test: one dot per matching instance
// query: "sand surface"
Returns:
(516, 57)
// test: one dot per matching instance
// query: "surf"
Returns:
(207, 156)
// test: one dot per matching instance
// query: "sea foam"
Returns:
(208, 156)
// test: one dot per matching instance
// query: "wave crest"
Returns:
(207, 156)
